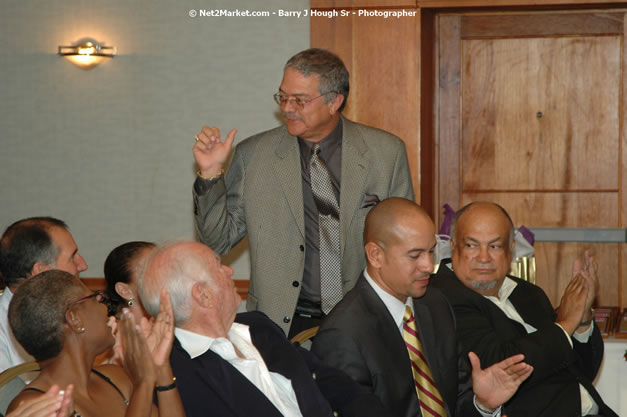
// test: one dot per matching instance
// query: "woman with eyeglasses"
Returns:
(64, 325)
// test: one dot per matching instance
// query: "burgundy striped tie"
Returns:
(429, 397)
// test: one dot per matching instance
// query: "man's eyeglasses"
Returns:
(100, 296)
(296, 101)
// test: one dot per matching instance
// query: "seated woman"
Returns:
(121, 269)
(59, 321)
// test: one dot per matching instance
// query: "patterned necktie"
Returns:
(329, 231)
(429, 397)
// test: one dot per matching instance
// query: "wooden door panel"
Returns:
(530, 114)
(555, 209)
(537, 114)
(554, 266)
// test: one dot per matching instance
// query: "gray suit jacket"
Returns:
(262, 196)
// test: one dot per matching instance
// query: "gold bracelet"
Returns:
(215, 177)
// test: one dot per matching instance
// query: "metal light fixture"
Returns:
(87, 54)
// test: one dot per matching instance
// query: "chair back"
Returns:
(11, 384)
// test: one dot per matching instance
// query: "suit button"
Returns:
(286, 319)
(302, 248)
(295, 284)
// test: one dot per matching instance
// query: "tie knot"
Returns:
(408, 317)
(315, 149)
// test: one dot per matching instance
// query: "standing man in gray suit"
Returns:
(300, 192)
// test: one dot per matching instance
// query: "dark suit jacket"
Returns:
(210, 386)
(553, 388)
(360, 337)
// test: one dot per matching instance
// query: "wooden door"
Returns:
(530, 114)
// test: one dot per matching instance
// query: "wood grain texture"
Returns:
(555, 209)
(334, 4)
(554, 263)
(447, 4)
(541, 24)
(539, 114)
(385, 73)
(448, 124)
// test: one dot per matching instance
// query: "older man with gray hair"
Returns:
(233, 364)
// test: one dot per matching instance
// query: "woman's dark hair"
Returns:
(117, 269)
(37, 312)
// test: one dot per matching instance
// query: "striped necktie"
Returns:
(429, 397)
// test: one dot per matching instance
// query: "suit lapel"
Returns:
(288, 173)
(228, 384)
(355, 167)
(386, 329)
(527, 308)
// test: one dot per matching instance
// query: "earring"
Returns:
(130, 302)
(81, 330)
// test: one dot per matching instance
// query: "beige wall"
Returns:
(109, 150)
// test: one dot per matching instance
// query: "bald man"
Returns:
(369, 333)
(498, 316)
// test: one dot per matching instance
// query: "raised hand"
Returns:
(495, 385)
(159, 332)
(137, 359)
(573, 304)
(588, 269)
(210, 152)
(54, 403)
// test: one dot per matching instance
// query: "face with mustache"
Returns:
(482, 248)
(313, 119)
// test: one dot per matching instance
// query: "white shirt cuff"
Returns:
(585, 336)
(484, 412)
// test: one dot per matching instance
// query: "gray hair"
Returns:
(328, 66)
(177, 274)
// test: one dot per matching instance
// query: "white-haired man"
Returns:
(230, 364)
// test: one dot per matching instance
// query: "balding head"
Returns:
(399, 239)
(196, 281)
(482, 246)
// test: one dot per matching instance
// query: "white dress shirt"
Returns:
(11, 352)
(277, 388)
(397, 310)
(588, 405)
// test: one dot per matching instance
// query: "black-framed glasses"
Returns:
(296, 101)
(100, 296)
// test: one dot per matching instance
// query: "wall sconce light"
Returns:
(87, 55)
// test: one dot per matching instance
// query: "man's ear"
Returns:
(374, 254)
(39, 267)
(201, 294)
(335, 103)
(123, 290)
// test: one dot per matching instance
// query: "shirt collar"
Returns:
(393, 304)
(327, 145)
(196, 344)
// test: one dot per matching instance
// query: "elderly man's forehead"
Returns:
(483, 216)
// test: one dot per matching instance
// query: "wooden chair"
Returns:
(11, 384)
(305, 335)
